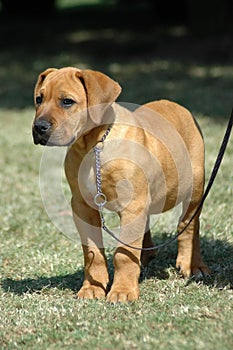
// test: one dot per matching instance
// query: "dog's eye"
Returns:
(39, 100)
(68, 102)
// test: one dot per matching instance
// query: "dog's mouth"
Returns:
(49, 140)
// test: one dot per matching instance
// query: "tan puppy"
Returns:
(152, 160)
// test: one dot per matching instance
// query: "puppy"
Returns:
(150, 160)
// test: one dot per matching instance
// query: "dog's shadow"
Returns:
(216, 253)
(39, 285)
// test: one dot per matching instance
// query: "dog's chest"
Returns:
(87, 178)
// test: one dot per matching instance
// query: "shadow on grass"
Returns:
(217, 254)
(38, 285)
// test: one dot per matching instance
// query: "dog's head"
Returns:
(70, 101)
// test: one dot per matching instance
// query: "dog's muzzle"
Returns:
(41, 131)
(45, 134)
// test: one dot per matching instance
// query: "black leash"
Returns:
(100, 198)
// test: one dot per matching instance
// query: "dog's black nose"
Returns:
(42, 126)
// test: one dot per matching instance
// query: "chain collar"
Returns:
(103, 138)
(100, 198)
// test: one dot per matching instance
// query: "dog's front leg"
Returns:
(95, 266)
(127, 260)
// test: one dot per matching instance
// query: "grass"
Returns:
(40, 269)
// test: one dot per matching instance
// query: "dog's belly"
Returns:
(167, 194)
(162, 203)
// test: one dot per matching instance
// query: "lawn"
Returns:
(41, 269)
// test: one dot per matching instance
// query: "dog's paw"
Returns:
(122, 296)
(197, 270)
(91, 292)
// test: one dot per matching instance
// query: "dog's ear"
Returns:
(41, 78)
(101, 92)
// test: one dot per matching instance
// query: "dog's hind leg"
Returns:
(147, 255)
(189, 260)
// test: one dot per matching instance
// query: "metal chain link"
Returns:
(100, 198)
(97, 151)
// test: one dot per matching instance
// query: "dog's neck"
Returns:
(90, 139)
(93, 136)
(119, 115)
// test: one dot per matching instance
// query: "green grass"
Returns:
(40, 269)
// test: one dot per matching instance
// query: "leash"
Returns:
(100, 198)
